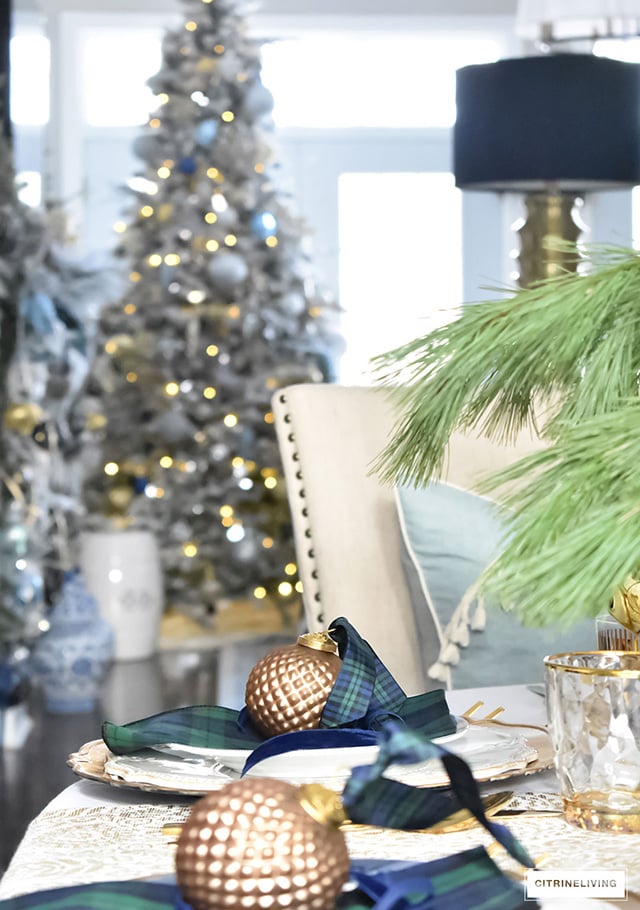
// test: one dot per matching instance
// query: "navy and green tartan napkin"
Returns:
(370, 798)
(364, 696)
(465, 881)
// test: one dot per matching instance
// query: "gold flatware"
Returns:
(497, 850)
(172, 830)
(468, 714)
(529, 804)
(463, 818)
(491, 718)
(457, 821)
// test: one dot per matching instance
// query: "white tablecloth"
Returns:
(93, 832)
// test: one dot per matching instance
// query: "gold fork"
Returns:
(463, 819)
(457, 821)
(490, 718)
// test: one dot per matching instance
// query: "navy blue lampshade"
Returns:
(570, 121)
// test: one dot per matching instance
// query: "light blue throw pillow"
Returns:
(450, 536)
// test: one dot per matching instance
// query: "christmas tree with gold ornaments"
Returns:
(221, 309)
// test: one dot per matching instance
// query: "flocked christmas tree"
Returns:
(48, 303)
(221, 310)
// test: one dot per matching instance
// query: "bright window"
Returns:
(635, 216)
(617, 49)
(400, 261)
(369, 79)
(116, 65)
(29, 186)
(29, 83)
(629, 51)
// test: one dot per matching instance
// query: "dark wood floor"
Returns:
(32, 775)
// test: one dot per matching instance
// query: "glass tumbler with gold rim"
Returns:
(593, 703)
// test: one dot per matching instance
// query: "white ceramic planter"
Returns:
(123, 572)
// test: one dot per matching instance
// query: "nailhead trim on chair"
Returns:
(308, 556)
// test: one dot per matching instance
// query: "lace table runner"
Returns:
(76, 846)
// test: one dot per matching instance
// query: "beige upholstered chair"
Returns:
(345, 521)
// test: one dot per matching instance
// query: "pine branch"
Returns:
(572, 339)
(574, 525)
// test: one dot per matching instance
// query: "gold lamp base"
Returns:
(549, 217)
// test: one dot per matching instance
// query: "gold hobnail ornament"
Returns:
(254, 843)
(288, 688)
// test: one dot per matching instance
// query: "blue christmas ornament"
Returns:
(140, 484)
(264, 224)
(206, 131)
(187, 165)
(39, 312)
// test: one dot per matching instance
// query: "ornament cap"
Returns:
(318, 641)
(323, 805)
(625, 606)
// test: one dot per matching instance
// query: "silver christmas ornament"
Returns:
(293, 303)
(228, 271)
(146, 146)
(258, 101)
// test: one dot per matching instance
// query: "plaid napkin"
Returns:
(372, 799)
(465, 881)
(364, 696)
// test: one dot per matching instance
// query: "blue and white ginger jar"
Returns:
(71, 659)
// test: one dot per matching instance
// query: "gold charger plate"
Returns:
(90, 761)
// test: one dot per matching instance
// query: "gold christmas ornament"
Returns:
(119, 496)
(164, 211)
(206, 65)
(288, 688)
(23, 418)
(96, 421)
(121, 344)
(254, 845)
(626, 604)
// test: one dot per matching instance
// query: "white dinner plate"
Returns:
(318, 762)
(489, 751)
(481, 748)
(492, 753)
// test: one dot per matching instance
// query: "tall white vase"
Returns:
(122, 570)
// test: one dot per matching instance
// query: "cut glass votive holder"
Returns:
(593, 703)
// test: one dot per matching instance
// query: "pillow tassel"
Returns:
(450, 654)
(460, 635)
(439, 672)
(479, 618)
(457, 632)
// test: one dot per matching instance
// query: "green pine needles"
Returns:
(574, 520)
